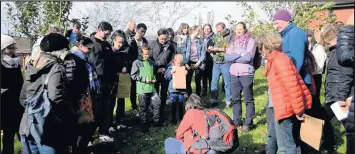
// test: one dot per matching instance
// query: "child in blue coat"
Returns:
(176, 95)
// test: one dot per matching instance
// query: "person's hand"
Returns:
(152, 81)
(147, 80)
(345, 104)
(124, 70)
(300, 117)
(197, 64)
(173, 71)
(210, 49)
(187, 66)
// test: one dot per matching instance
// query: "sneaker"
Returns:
(245, 129)
(106, 138)
(135, 112)
(90, 144)
(120, 127)
(228, 104)
(112, 130)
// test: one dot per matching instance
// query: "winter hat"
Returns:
(54, 42)
(6, 40)
(282, 15)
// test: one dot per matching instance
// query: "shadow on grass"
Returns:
(248, 146)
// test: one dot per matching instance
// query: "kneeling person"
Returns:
(143, 73)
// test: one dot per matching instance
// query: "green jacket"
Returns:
(142, 70)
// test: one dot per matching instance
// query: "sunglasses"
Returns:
(11, 48)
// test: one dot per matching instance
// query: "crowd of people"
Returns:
(69, 86)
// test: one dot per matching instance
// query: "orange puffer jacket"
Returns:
(289, 93)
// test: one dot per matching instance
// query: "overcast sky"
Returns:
(221, 10)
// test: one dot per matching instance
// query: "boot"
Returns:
(173, 113)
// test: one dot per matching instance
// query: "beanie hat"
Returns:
(282, 15)
(6, 41)
(54, 42)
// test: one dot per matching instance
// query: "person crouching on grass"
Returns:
(176, 95)
(143, 72)
(289, 94)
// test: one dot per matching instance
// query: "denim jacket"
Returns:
(201, 51)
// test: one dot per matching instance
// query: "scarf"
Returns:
(10, 62)
(206, 36)
(93, 78)
(243, 40)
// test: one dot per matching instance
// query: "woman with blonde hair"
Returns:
(288, 93)
(194, 52)
(181, 35)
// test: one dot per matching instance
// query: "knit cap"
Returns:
(6, 41)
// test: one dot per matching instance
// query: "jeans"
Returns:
(284, 135)
(271, 147)
(174, 146)
(219, 69)
(198, 75)
(245, 83)
(31, 147)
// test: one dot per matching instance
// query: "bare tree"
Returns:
(270, 8)
(210, 17)
(200, 20)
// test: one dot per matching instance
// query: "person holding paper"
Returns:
(143, 73)
(194, 52)
(176, 95)
(289, 94)
(345, 56)
(121, 64)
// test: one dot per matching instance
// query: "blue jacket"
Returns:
(169, 78)
(295, 45)
(186, 50)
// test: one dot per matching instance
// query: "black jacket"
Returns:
(161, 55)
(135, 49)
(338, 80)
(11, 82)
(60, 115)
(345, 55)
(118, 60)
(98, 57)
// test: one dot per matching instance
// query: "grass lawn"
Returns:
(134, 142)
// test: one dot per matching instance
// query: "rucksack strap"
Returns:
(207, 126)
(49, 75)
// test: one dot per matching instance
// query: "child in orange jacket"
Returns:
(289, 94)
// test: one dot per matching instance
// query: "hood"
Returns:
(36, 68)
(287, 29)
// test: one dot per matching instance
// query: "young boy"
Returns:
(143, 73)
(176, 95)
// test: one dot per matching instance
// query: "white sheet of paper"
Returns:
(339, 113)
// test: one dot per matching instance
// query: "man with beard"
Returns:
(220, 65)
(162, 52)
(136, 42)
(98, 58)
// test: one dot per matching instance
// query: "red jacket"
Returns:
(289, 93)
(192, 121)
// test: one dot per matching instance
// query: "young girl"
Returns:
(176, 95)
(120, 63)
(288, 93)
(194, 53)
(181, 35)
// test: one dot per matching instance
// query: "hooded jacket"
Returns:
(60, 115)
(142, 70)
(345, 56)
(339, 79)
(295, 45)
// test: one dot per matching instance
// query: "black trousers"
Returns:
(8, 140)
(198, 75)
(207, 75)
(84, 134)
(161, 87)
(133, 95)
(120, 110)
(145, 100)
(105, 111)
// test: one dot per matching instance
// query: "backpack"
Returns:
(38, 108)
(257, 60)
(222, 134)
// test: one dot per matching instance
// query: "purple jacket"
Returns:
(242, 62)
